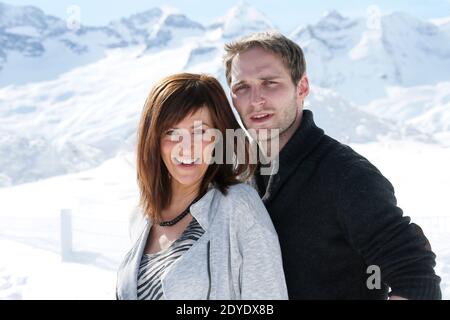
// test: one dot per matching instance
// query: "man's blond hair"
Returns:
(290, 53)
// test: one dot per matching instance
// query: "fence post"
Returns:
(66, 234)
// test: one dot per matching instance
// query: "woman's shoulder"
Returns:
(245, 205)
(242, 191)
(136, 220)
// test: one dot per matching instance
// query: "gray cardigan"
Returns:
(238, 256)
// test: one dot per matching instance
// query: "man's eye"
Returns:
(270, 83)
(240, 88)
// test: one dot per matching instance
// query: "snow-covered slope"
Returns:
(424, 107)
(359, 57)
(50, 278)
(100, 201)
(103, 198)
(344, 121)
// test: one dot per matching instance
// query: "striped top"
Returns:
(154, 265)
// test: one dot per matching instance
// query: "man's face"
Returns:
(263, 93)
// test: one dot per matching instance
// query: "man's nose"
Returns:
(256, 97)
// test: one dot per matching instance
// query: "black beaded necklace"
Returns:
(180, 216)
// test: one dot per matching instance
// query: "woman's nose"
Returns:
(187, 145)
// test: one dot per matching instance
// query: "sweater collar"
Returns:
(304, 140)
(202, 208)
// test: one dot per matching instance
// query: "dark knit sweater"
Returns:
(335, 215)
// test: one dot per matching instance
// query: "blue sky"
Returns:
(285, 14)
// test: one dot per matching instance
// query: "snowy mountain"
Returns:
(442, 23)
(138, 28)
(86, 105)
(38, 47)
(387, 50)
(372, 53)
(156, 28)
(91, 113)
(342, 120)
(173, 30)
(242, 19)
(29, 158)
(35, 46)
(424, 107)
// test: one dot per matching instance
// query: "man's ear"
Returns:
(303, 87)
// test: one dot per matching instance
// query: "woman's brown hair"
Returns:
(169, 102)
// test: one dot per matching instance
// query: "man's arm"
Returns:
(375, 227)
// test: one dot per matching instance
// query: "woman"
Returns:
(200, 233)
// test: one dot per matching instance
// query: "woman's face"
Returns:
(185, 150)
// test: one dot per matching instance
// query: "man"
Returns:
(341, 234)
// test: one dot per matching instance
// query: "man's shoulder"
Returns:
(337, 158)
